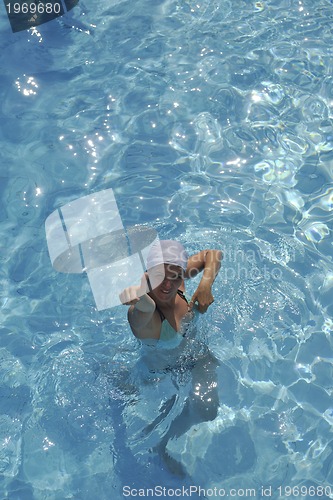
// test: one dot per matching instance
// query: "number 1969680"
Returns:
(33, 8)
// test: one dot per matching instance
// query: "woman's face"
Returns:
(165, 279)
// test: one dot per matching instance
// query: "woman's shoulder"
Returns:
(150, 330)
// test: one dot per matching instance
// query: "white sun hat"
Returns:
(167, 252)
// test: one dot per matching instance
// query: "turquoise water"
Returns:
(212, 123)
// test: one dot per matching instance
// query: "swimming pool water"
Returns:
(212, 123)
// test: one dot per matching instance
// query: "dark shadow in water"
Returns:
(201, 405)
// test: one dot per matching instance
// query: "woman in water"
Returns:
(159, 312)
(158, 305)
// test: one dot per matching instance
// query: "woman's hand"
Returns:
(131, 295)
(203, 296)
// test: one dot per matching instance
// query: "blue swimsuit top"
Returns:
(167, 331)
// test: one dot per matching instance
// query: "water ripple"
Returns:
(212, 122)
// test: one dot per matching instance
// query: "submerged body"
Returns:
(161, 315)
